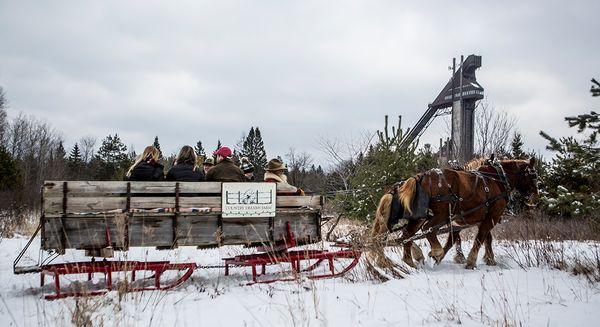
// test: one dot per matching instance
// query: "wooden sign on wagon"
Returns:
(248, 200)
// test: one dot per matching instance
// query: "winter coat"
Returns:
(185, 173)
(226, 171)
(148, 171)
(274, 178)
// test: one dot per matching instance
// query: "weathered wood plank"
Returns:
(91, 204)
(55, 205)
(299, 201)
(303, 225)
(150, 231)
(86, 233)
(52, 234)
(245, 230)
(82, 188)
(102, 188)
(197, 230)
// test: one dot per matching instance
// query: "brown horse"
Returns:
(459, 197)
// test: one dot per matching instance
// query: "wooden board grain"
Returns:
(109, 188)
(88, 217)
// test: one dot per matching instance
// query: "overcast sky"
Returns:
(301, 70)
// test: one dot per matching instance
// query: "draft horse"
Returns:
(456, 197)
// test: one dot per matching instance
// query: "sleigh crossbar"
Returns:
(108, 268)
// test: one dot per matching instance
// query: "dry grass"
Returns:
(535, 225)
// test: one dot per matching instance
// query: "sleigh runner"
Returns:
(101, 217)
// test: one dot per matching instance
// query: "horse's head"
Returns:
(523, 177)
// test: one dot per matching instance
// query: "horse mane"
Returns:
(474, 163)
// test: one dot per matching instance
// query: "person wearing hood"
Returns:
(248, 168)
(185, 168)
(275, 173)
(225, 170)
(147, 167)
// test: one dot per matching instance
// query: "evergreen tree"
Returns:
(60, 153)
(75, 155)
(572, 187)
(156, 144)
(517, 147)
(112, 159)
(253, 147)
(10, 172)
(200, 149)
(385, 164)
(219, 145)
(3, 117)
(595, 88)
(75, 163)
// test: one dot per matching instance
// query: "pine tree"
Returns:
(75, 163)
(572, 182)
(200, 149)
(10, 172)
(595, 88)
(3, 116)
(75, 155)
(60, 153)
(112, 159)
(253, 147)
(219, 145)
(156, 144)
(517, 147)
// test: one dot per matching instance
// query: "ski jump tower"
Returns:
(458, 97)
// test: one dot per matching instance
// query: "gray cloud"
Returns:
(299, 70)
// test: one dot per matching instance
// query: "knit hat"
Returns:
(224, 152)
(247, 166)
(209, 162)
(275, 165)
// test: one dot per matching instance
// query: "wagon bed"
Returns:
(97, 215)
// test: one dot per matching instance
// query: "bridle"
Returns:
(527, 173)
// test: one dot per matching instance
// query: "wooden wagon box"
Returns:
(119, 215)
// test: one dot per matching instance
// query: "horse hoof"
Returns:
(436, 253)
(417, 254)
(409, 262)
(470, 266)
(460, 258)
(490, 261)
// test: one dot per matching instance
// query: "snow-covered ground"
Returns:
(444, 294)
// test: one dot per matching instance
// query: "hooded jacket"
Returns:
(184, 172)
(148, 171)
(226, 171)
(274, 178)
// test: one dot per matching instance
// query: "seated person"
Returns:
(248, 168)
(275, 174)
(208, 164)
(147, 167)
(185, 168)
(225, 170)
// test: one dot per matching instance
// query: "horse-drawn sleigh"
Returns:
(101, 217)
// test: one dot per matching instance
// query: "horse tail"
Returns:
(406, 193)
(382, 215)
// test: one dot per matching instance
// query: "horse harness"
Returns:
(454, 201)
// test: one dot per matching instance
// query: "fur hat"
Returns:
(224, 152)
(275, 165)
(209, 162)
(246, 166)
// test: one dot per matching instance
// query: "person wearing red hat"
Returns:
(225, 170)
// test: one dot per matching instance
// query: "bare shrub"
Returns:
(535, 225)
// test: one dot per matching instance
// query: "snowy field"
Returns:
(436, 295)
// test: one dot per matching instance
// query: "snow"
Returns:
(433, 295)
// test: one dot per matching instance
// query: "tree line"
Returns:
(359, 170)
(32, 151)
